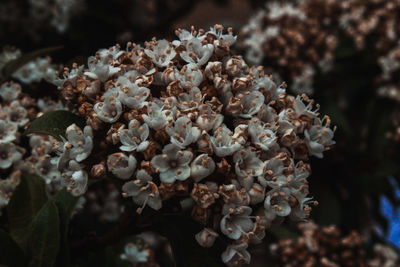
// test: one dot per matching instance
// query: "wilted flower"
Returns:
(206, 237)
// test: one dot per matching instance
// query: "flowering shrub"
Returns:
(171, 121)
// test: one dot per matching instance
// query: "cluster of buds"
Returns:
(294, 40)
(188, 118)
(328, 247)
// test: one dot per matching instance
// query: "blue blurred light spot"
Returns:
(392, 214)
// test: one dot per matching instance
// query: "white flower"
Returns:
(201, 167)
(251, 101)
(74, 178)
(189, 76)
(79, 183)
(161, 52)
(121, 165)
(206, 237)
(256, 193)
(277, 204)
(222, 39)
(318, 137)
(235, 66)
(157, 116)
(8, 131)
(190, 101)
(134, 138)
(301, 210)
(70, 76)
(82, 143)
(92, 89)
(47, 170)
(223, 142)
(173, 164)
(35, 71)
(236, 255)
(236, 221)
(247, 165)
(134, 255)
(264, 82)
(273, 173)
(8, 155)
(143, 191)
(10, 91)
(131, 94)
(182, 133)
(208, 119)
(196, 52)
(262, 136)
(301, 109)
(16, 113)
(108, 111)
(267, 114)
(100, 70)
(111, 54)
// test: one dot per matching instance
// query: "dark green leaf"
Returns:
(180, 231)
(14, 65)
(27, 200)
(44, 238)
(54, 123)
(65, 203)
(11, 254)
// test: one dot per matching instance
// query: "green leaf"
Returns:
(44, 237)
(65, 203)
(14, 65)
(11, 254)
(54, 123)
(186, 250)
(27, 199)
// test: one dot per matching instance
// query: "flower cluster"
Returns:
(17, 110)
(34, 71)
(327, 246)
(295, 40)
(188, 118)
